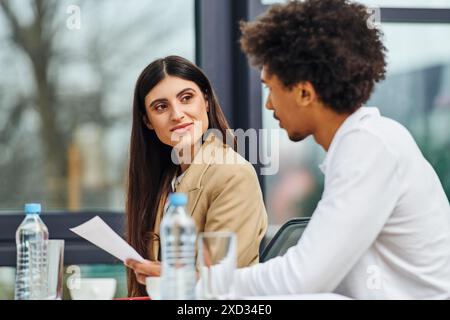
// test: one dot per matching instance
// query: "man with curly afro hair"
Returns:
(382, 227)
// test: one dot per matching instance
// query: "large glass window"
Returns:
(416, 92)
(389, 3)
(406, 4)
(68, 69)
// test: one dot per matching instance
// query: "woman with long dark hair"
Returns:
(174, 107)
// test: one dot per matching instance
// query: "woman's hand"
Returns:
(144, 269)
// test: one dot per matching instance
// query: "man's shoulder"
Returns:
(378, 134)
(383, 126)
(393, 134)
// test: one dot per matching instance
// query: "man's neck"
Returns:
(328, 124)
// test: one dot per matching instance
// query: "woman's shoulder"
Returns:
(228, 163)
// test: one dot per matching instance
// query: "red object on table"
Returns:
(134, 298)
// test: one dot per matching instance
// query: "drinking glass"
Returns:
(55, 266)
(216, 261)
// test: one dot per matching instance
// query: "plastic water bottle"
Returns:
(31, 269)
(178, 236)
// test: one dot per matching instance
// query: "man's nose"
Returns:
(269, 104)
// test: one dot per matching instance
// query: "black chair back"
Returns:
(286, 237)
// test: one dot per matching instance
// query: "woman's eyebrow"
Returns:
(165, 100)
(157, 101)
(183, 91)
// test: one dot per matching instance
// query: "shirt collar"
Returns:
(349, 123)
(176, 181)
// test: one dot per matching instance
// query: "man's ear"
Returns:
(147, 123)
(305, 93)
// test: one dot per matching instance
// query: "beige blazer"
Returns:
(223, 195)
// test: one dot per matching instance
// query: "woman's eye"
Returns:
(160, 107)
(186, 98)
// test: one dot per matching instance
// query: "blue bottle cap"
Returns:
(31, 208)
(178, 199)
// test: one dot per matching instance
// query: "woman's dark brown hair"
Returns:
(151, 168)
(329, 43)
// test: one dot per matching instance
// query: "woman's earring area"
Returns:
(207, 103)
(147, 123)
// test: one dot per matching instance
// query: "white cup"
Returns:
(153, 285)
(94, 289)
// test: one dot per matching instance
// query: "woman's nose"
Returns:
(177, 114)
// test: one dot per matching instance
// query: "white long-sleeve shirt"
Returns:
(381, 229)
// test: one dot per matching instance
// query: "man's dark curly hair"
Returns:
(325, 42)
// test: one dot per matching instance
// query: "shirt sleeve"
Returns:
(361, 190)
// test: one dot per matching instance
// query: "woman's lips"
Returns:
(182, 129)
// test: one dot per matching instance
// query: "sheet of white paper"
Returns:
(100, 234)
